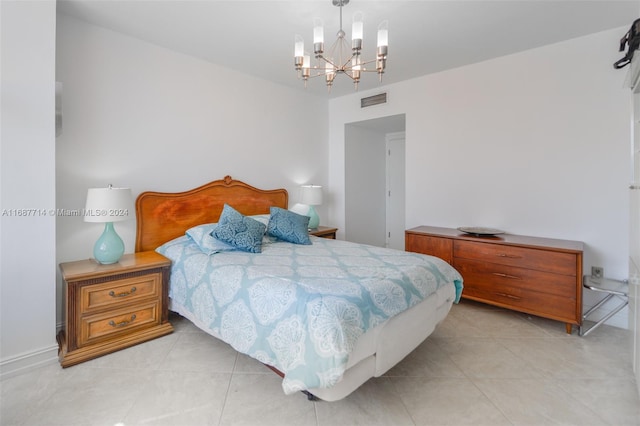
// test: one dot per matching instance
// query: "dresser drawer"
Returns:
(107, 325)
(540, 260)
(433, 246)
(524, 300)
(492, 276)
(116, 293)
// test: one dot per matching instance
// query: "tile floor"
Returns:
(482, 366)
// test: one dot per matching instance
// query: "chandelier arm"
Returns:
(346, 65)
(318, 74)
(328, 61)
(340, 45)
(349, 75)
(362, 65)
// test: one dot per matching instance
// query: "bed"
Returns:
(326, 315)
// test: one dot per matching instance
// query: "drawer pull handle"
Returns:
(122, 323)
(123, 294)
(509, 296)
(499, 274)
(509, 256)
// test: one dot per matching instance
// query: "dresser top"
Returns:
(504, 239)
(90, 268)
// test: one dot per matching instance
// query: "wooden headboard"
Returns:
(163, 216)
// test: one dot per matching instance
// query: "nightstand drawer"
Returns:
(98, 296)
(110, 324)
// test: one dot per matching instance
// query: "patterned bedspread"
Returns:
(300, 308)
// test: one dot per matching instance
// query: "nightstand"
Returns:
(111, 307)
(324, 232)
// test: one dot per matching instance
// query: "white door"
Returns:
(395, 190)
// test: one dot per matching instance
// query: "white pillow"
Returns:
(201, 235)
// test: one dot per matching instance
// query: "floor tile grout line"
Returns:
(226, 394)
(491, 401)
(551, 381)
(156, 369)
(404, 405)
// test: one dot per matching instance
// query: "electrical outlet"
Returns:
(597, 271)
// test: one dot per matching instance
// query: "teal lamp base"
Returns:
(109, 248)
(314, 219)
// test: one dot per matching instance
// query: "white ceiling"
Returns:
(425, 36)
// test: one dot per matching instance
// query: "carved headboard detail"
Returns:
(163, 216)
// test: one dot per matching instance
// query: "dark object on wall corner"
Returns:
(58, 108)
(631, 38)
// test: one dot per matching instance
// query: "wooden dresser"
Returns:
(111, 307)
(539, 276)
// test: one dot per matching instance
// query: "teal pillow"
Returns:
(289, 226)
(238, 230)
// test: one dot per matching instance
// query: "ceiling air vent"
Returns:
(373, 100)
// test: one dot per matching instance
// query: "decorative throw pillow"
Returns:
(238, 230)
(289, 226)
(264, 219)
(201, 235)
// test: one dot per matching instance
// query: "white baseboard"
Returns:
(26, 362)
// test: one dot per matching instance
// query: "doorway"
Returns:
(374, 182)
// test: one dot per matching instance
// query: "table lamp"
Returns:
(311, 195)
(108, 205)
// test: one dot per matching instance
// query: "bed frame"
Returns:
(163, 216)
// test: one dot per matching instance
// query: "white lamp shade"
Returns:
(383, 34)
(311, 195)
(298, 47)
(357, 26)
(318, 31)
(109, 205)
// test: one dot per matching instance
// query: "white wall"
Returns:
(27, 181)
(149, 118)
(535, 143)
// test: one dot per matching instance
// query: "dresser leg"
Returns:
(568, 327)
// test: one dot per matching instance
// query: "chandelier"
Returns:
(341, 58)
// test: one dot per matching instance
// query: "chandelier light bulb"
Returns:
(356, 64)
(383, 34)
(318, 36)
(357, 31)
(298, 49)
(330, 74)
(318, 30)
(306, 68)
